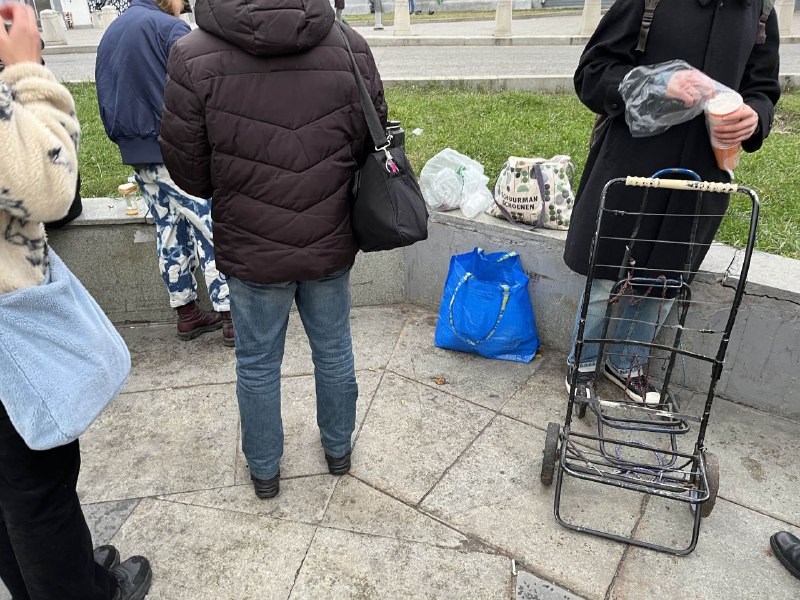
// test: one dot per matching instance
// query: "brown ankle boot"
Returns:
(228, 337)
(193, 322)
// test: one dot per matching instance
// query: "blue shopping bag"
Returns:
(486, 308)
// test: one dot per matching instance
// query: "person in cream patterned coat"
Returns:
(37, 120)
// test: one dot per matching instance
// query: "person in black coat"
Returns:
(720, 39)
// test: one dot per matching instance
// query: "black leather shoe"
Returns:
(786, 548)
(134, 577)
(107, 557)
(267, 488)
(339, 466)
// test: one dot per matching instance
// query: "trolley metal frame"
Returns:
(691, 478)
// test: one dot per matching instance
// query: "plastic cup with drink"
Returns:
(717, 110)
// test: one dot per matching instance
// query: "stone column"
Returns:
(107, 16)
(591, 16)
(54, 31)
(502, 19)
(785, 10)
(378, 15)
(402, 20)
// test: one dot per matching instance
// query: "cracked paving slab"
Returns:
(302, 499)
(360, 508)
(213, 554)
(493, 492)
(412, 434)
(758, 458)
(303, 454)
(530, 587)
(343, 564)
(160, 442)
(484, 382)
(733, 559)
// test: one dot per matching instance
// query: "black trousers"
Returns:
(45, 544)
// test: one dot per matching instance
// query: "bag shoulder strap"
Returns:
(647, 20)
(376, 130)
(766, 9)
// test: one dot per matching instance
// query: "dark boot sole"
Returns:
(265, 490)
(230, 343)
(195, 333)
(142, 592)
(789, 567)
(267, 495)
(339, 468)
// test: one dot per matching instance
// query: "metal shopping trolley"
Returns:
(641, 446)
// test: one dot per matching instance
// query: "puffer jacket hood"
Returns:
(267, 27)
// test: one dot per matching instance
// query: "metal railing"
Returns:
(120, 5)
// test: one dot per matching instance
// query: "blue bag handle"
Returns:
(506, 294)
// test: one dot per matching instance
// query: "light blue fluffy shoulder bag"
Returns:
(61, 359)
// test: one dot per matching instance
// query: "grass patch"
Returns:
(99, 158)
(490, 127)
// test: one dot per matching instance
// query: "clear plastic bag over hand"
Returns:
(451, 180)
(665, 94)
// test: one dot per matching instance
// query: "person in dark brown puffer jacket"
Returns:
(262, 114)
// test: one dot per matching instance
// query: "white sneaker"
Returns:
(585, 385)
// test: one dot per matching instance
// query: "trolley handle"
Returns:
(682, 184)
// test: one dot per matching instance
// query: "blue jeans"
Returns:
(260, 316)
(183, 234)
(637, 323)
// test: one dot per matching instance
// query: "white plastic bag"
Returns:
(451, 180)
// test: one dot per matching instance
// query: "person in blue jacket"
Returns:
(131, 73)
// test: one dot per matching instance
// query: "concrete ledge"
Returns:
(761, 369)
(524, 83)
(520, 83)
(443, 11)
(114, 255)
(514, 83)
(77, 49)
(377, 41)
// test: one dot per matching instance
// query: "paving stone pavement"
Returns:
(444, 491)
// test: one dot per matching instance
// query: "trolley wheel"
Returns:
(550, 453)
(712, 474)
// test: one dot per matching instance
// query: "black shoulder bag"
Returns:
(388, 209)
